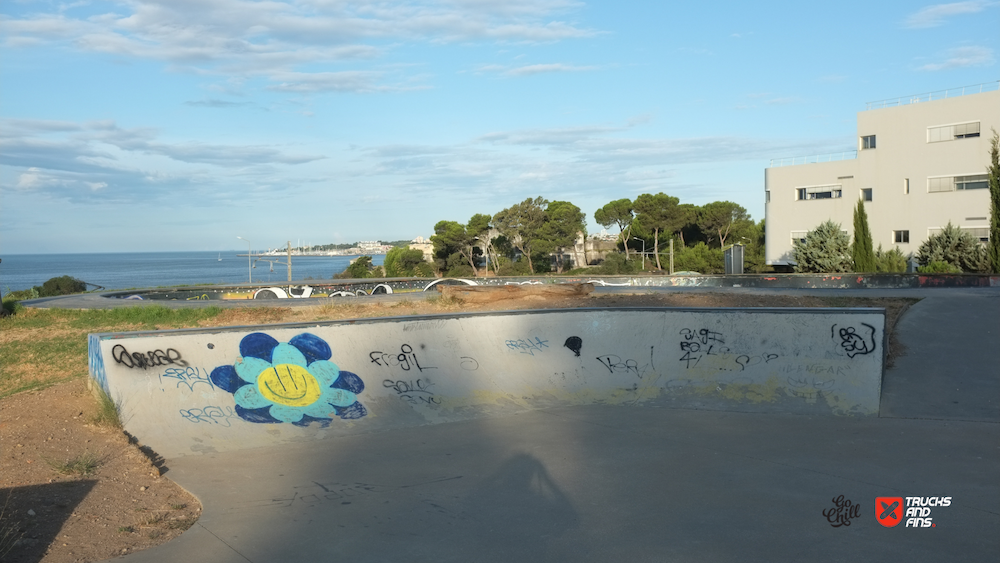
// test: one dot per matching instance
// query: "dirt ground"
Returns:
(73, 491)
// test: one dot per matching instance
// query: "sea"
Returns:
(139, 270)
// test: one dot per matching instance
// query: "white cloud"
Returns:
(245, 38)
(961, 57)
(934, 16)
(84, 161)
(546, 68)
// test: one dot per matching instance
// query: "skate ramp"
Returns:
(184, 392)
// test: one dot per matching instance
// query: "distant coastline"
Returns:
(135, 270)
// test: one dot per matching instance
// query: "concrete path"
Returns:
(600, 483)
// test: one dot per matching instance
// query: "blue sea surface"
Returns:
(135, 270)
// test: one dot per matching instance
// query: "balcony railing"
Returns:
(846, 155)
(939, 95)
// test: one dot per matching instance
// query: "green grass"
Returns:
(83, 464)
(147, 318)
(108, 412)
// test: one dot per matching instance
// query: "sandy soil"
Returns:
(73, 491)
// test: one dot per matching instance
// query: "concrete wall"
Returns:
(196, 391)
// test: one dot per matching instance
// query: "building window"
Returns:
(901, 236)
(866, 194)
(952, 132)
(819, 192)
(952, 183)
(868, 142)
(977, 182)
(906, 185)
(799, 236)
(767, 196)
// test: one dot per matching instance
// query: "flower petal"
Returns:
(257, 345)
(319, 409)
(250, 368)
(287, 354)
(249, 398)
(314, 347)
(338, 397)
(325, 372)
(285, 413)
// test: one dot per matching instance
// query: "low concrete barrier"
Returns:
(205, 390)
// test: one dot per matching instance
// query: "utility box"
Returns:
(734, 259)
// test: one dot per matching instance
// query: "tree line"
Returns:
(534, 236)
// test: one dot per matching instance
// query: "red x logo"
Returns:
(889, 510)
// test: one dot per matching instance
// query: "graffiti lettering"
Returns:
(745, 360)
(469, 363)
(697, 344)
(202, 297)
(853, 342)
(616, 364)
(211, 415)
(147, 360)
(527, 346)
(406, 359)
(703, 336)
(189, 376)
(414, 392)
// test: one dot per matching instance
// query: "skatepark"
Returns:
(576, 435)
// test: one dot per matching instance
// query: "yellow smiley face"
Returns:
(289, 384)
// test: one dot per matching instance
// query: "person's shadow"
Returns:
(519, 512)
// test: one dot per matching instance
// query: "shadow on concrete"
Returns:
(520, 511)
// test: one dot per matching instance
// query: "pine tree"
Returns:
(826, 250)
(861, 248)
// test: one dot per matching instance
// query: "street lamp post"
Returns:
(643, 241)
(249, 275)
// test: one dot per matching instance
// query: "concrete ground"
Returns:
(600, 483)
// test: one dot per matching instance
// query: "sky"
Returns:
(144, 126)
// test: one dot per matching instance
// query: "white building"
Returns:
(921, 162)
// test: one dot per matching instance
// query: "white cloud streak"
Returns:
(276, 38)
(81, 161)
(937, 14)
(961, 57)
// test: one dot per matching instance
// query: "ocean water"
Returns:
(134, 270)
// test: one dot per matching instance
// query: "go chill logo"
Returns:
(889, 511)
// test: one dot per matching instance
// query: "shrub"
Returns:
(615, 264)
(890, 261)
(698, 258)
(956, 247)
(827, 249)
(518, 268)
(63, 285)
(939, 267)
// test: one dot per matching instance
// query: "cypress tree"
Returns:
(993, 250)
(861, 248)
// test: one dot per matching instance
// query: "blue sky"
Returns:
(182, 124)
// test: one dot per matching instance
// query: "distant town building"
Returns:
(425, 246)
(920, 163)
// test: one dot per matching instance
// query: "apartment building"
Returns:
(920, 163)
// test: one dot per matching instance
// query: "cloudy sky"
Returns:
(181, 124)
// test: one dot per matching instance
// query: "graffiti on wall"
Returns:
(855, 341)
(294, 382)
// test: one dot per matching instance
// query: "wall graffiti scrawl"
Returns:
(294, 382)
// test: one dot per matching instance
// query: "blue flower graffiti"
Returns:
(290, 382)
